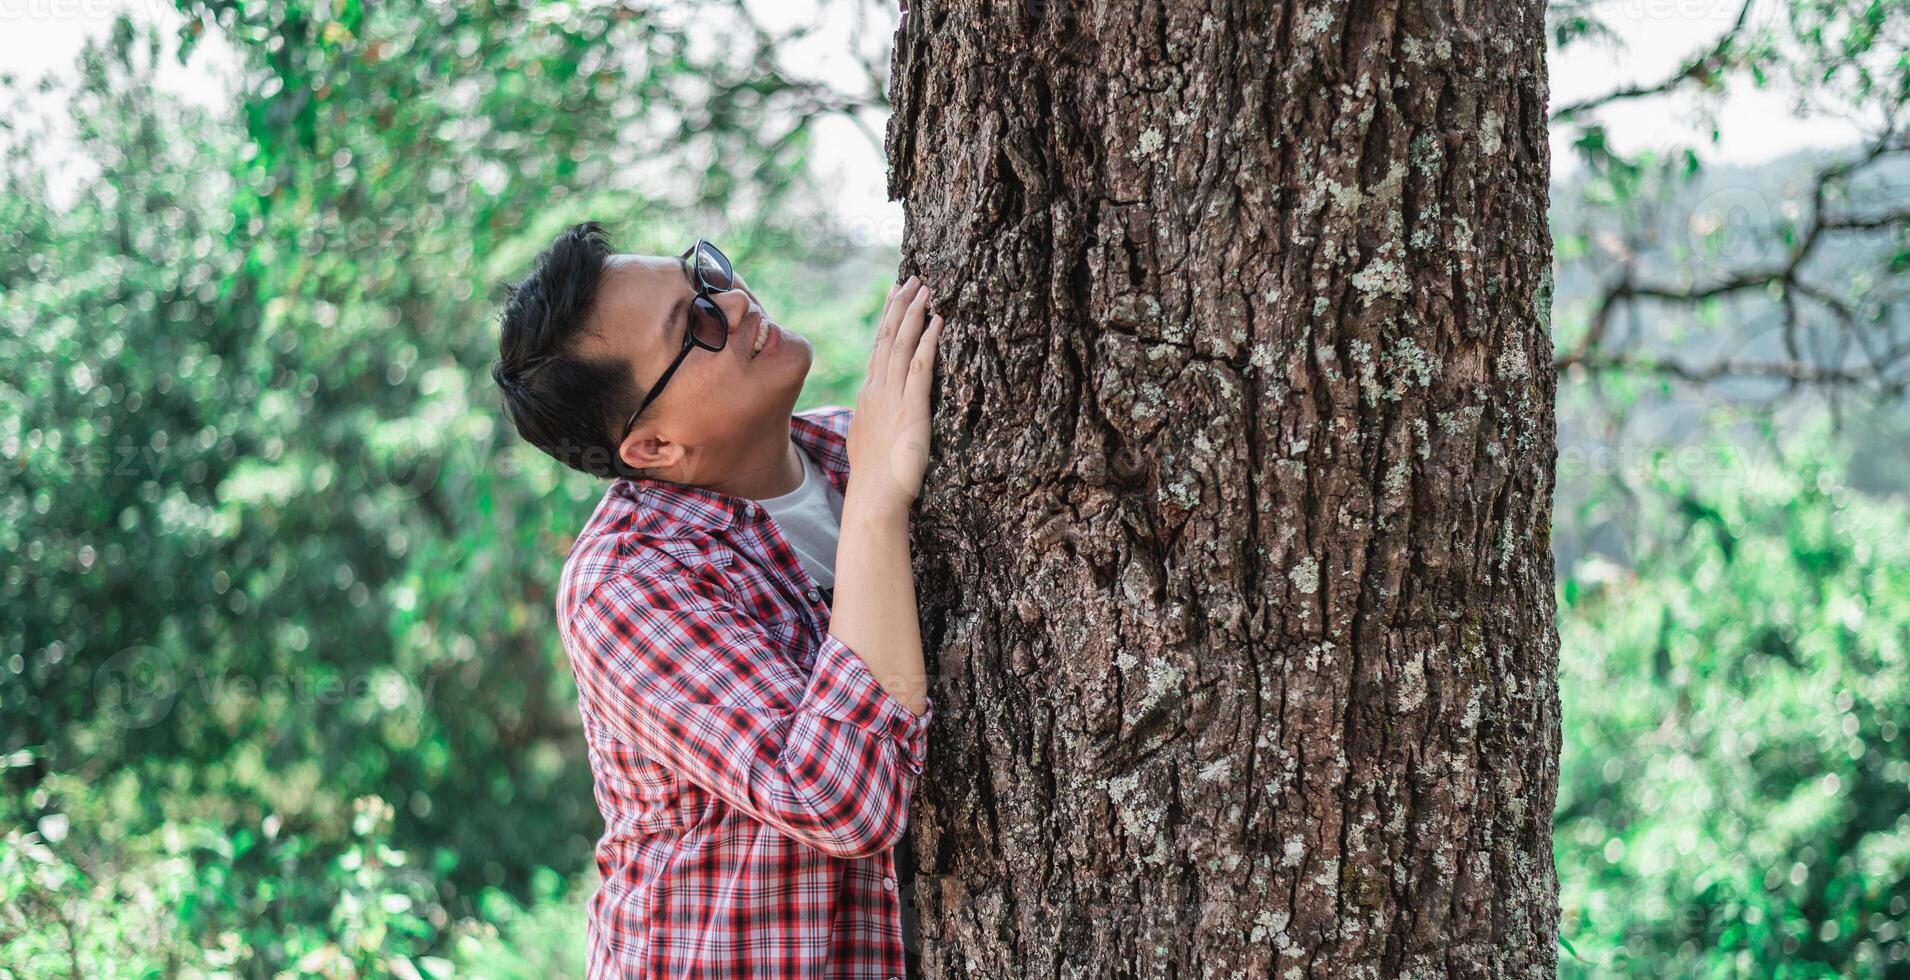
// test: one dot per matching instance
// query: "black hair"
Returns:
(565, 404)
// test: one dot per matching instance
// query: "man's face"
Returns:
(719, 404)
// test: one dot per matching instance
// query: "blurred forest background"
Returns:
(280, 690)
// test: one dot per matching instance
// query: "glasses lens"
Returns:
(708, 324)
(714, 267)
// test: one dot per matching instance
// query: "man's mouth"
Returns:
(763, 329)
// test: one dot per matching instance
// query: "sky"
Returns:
(40, 36)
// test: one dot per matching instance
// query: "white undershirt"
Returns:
(810, 519)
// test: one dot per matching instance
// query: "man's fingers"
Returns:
(888, 303)
(921, 376)
(908, 334)
(892, 313)
(885, 327)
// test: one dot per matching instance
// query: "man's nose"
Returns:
(735, 306)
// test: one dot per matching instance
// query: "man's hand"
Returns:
(889, 434)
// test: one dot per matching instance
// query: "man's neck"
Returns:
(780, 473)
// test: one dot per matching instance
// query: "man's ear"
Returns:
(644, 450)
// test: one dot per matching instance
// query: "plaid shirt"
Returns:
(752, 773)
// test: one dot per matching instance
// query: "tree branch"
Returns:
(1702, 69)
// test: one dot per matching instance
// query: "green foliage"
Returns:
(219, 896)
(280, 657)
(1734, 798)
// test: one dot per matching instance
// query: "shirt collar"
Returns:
(662, 506)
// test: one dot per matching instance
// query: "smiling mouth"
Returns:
(763, 328)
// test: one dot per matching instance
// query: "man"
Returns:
(739, 611)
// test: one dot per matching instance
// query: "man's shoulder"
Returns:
(834, 418)
(616, 547)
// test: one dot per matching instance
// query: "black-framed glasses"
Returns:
(710, 272)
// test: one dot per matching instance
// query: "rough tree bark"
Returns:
(1234, 555)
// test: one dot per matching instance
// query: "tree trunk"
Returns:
(1234, 555)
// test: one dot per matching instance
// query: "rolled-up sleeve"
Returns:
(842, 688)
(827, 756)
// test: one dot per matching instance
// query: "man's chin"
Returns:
(802, 358)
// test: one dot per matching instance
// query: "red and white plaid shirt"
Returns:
(752, 773)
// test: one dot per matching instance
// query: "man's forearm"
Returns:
(874, 610)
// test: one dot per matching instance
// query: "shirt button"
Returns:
(813, 595)
(888, 884)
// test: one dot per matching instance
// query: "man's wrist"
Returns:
(881, 510)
